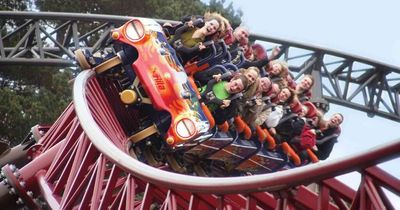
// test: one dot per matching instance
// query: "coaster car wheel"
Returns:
(81, 59)
(174, 164)
(150, 157)
(108, 64)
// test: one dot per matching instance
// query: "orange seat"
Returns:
(239, 124)
(312, 156)
(288, 150)
(270, 140)
(224, 127)
(260, 133)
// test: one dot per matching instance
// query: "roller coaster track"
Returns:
(83, 160)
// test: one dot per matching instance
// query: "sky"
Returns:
(361, 27)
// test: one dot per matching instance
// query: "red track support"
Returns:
(69, 171)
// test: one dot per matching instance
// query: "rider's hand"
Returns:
(313, 131)
(167, 25)
(272, 131)
(217, 77)
(201, 46)
(190, 24)
(303, 112)
(275, 51)
(226, 103)
(259, 101)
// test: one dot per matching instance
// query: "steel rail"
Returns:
(324, 50)
(70, 16)
(266, 182)
(122, 19)
(37, 62)
(380, 80)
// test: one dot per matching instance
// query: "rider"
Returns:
(303, 89)
(266, 90)
(327, 138)
(217, 91)
(278, 72)
(218, 96)
(256, 55)
(188, 39)
(272, 115)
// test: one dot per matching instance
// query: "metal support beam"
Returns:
(30, 50)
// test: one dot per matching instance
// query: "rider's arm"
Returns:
(258, 63)
(188, 50)
(178, 33)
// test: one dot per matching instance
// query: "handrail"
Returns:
(265, 182)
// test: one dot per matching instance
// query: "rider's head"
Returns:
(211, 26)
(278, 68)
(335, 120)
(223, 24)
(265, 84)
(252, 74)
(286, 95)
(241, 35)
(237, 84)
(306, 83)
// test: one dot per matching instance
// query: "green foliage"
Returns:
(16, 5)
(159, 9)
(12, 5)
(228, 12)
(35, 97)
(174, 10)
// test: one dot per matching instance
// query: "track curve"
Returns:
(265, 182)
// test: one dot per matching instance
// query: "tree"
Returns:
(17, 5)
(26, 102)
(228, 12)
(160, 9)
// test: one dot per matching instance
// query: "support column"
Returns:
(317, 96)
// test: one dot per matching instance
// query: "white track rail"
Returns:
(265, 182)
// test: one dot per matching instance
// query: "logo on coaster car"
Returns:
(158, 79)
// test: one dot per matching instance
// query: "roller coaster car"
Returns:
(155, 83)
(151, 64)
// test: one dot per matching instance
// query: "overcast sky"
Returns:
(365, 28)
